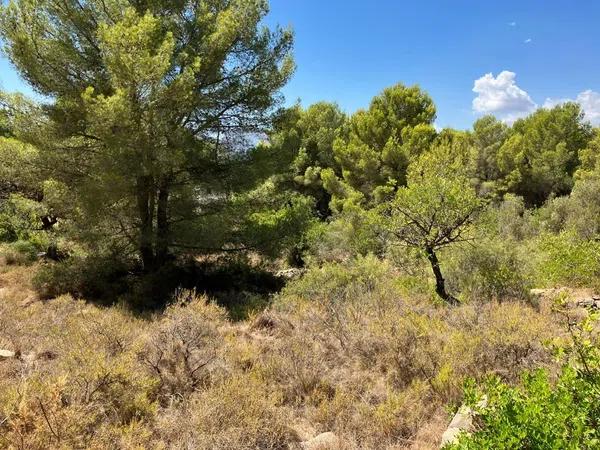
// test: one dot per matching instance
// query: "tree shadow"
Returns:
(234, 284)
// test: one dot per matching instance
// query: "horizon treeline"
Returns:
(162, 137)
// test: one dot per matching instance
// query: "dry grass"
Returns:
(341, 350)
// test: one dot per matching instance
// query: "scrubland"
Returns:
(347, 349)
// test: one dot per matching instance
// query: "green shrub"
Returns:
(19, 253)
(20, 218)
(511, 219)
(577, 213)
(490, 270)
(541, 414)
(339, 282)
(566, 260)
(353, 233)
(554, 216)
(586, 212)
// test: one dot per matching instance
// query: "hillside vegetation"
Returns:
(187, 264)
(343, 350)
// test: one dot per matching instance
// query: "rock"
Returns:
(29, 300)
(588, 303)
(576, 298)
(462, 422)
(450, 436)
(6, 354)
(324, 441)
(463, 419)
(290, 274)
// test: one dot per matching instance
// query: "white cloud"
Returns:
(502, 97)
(589, 101)
(552, 102)
(512, 24)
(527, 41)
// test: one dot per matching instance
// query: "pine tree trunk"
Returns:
(145, 204)
(440, 283)
(162, 225)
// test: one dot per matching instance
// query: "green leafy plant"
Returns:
(568, 260)
(486, 271)
(540, 413)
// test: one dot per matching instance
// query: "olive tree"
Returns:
(435, 209)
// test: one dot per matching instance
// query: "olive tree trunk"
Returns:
(440, 283)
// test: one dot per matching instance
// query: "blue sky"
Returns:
(349, 50)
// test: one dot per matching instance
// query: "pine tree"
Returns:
(147, 105)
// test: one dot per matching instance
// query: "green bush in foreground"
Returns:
(541, 414)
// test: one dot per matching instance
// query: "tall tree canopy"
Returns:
(300, 147)
(489, 134)
(147, 103)
(379, 144)
(542, 153)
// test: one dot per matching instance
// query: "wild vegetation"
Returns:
(186, 263)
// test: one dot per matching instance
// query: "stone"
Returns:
(324, 441)
(588, 303)
(463, 419)
(5, 354)
(290, 274)
(462, 422)
(30, 300)
(451, 435)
